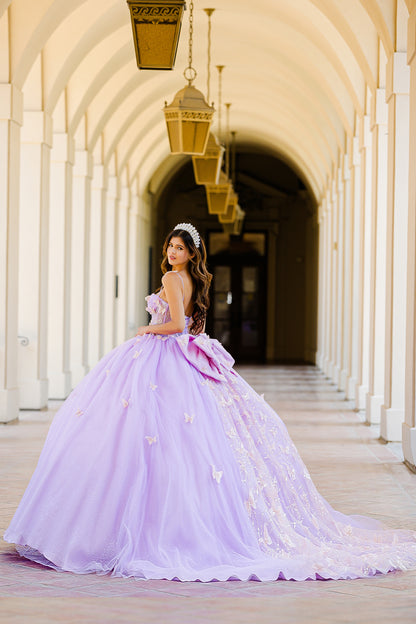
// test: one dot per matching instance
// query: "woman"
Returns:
(165, 463)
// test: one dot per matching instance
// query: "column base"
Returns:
(60, 386)
(350, 388)
(343, 380)
(319, 360)
(360, 396)
(409, 446)
(327, 368)
(33, 394)
(336, 374)
(9, 405)
(391, 422)
(373, 408)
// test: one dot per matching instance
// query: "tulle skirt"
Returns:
(164, 463)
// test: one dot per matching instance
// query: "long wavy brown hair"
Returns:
(201, 278)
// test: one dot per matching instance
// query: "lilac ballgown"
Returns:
(165, 463)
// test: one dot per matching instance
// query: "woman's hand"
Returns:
(144, 329)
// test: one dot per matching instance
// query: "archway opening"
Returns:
(264, 293)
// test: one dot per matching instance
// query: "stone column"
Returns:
(355, 209)
(364, 266)
(339, 293)
(145, 241)
(81, 200)
(122, 263)
(375, 395)
(328, 285)
(110, 264)
(392, 411)
(346, 281)
(321, 288)
(134, 267)
(334, 278)
(36, 141)
(409, 426)
(11, 117)
(96, 265)
(62, 159)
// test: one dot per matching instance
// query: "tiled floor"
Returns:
(354, 471)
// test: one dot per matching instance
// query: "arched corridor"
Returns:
(327, 90)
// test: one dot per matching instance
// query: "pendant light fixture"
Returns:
(188, 117)
(207, 167)
(218, 194)
(156, 27)
(236, 226)
(230, 213)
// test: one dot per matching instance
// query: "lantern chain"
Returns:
(220, 68)
(209, 12)
(190, 72)
(227, 140)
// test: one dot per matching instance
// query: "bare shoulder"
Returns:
(171, 278)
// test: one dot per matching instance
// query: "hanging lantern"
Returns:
(236, 227)
(156, 27)
(188, 117)
(218, 195)
(230, 214)
(207, 167)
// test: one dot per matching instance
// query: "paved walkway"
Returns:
(351, 468)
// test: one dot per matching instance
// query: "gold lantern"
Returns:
(235, 227)
(188, 120)
(156, 28)
(230, 214)
(207, 167)
(218, 195)
(188, 117)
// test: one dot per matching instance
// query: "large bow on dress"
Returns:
(206, 354)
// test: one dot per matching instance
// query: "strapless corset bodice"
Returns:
(159, 309)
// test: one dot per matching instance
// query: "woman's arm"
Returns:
(172, 285)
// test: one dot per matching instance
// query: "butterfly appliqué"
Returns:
(124, 402)
(79, 412)
(216, 474)
(189, 418)
(152, 386)
(151, 439)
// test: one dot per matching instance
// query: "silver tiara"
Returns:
(192, 231)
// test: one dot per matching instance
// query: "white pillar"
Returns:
(346, 281)
(355, 208)
(134, 268)
(375, 395)
(321, 288)
(11, 116)
(145, 225)
(81, 200)
(62, 159)
(110, 264)
(339, 293)
(36, 141)
(334, 278)
(122, 263)
(361, 388)
(328, 280)
(392, 412)
(96, 266)
(409, 426)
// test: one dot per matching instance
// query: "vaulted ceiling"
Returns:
(297, 74)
